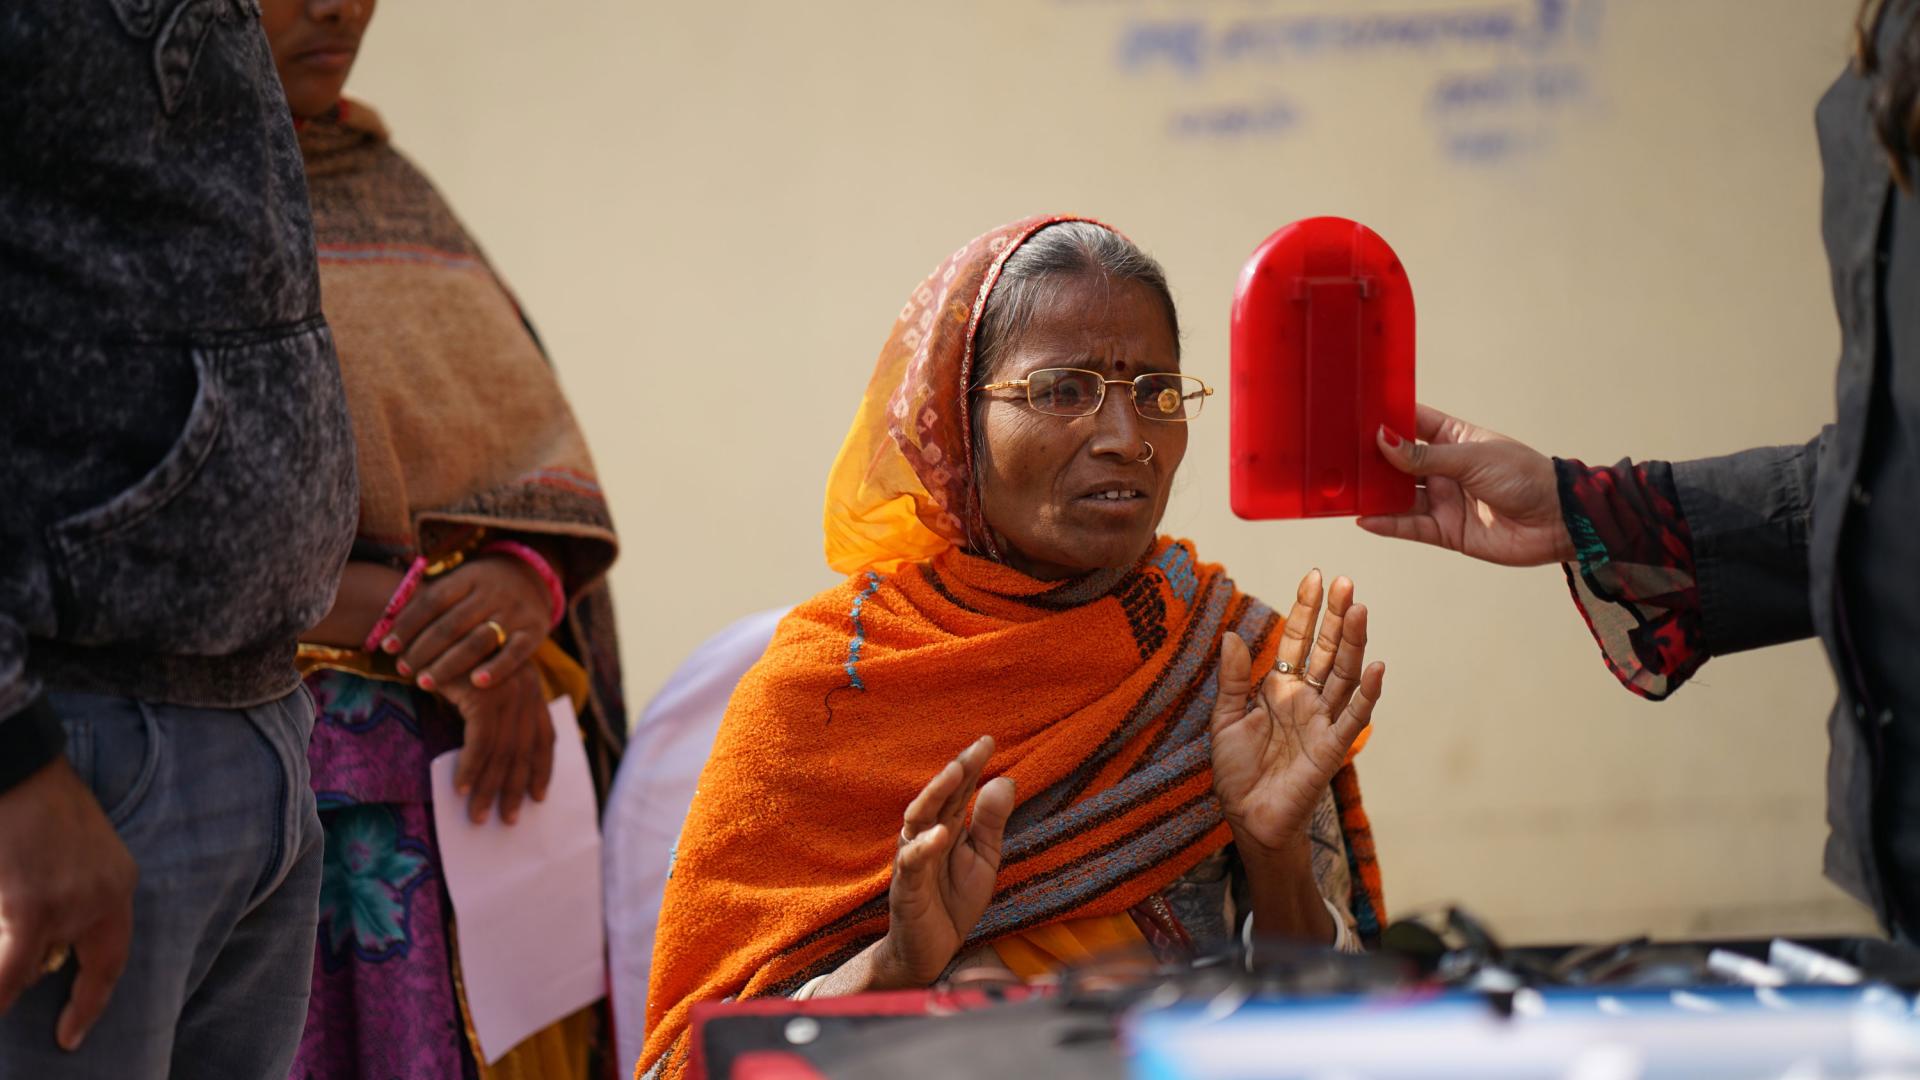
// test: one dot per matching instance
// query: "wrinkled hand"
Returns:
(944, 869)
(508, 755)
(1275, 753)
(65, 880)
(442, 636)
(1486, 495)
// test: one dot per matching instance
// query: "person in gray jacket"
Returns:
(177, 464)
(1673, 563)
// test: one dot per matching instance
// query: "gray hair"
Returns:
(1069, 248)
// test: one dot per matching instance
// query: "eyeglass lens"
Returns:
(1074, 392)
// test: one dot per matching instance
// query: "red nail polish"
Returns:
(403, 668)
(391, 644)
(1391, 436)
(482, 679)
(426, 682)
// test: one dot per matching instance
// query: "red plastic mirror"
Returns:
(1322, 356)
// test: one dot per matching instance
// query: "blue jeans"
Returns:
(216, 807)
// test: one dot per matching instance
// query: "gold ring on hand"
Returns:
(56, 959)
(1285, 668)
(1317, 684)
(499, 635)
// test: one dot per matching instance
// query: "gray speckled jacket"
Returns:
(175, 454)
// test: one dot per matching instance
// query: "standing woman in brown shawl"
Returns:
(475, 592)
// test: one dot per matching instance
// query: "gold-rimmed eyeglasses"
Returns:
(1157, 395)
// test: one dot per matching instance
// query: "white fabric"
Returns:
(649, 802)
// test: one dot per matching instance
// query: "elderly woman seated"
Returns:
(1011, 616)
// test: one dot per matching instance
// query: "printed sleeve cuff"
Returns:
(1633, 577)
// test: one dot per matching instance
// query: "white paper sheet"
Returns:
(526, 897)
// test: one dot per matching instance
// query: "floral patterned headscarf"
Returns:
(902, 488)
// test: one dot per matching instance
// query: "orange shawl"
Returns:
(1097, 692)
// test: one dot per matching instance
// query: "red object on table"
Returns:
(1322, 356)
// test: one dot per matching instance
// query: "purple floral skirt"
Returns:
(383, 1002)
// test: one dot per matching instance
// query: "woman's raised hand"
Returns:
(1486, 495)
(944, 868)
(1276, 750)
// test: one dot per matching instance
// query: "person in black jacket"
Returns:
(177, 463)
(1674, 563)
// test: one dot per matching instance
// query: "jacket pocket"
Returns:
(235, 539)
(179, 31)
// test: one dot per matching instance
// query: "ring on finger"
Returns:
(1317, 684)
(499, 634)
(1285, 668)
(906, 837)
(55, 959)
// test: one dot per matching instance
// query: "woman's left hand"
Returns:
(443, 636)
(1275, 753)
(507, 755)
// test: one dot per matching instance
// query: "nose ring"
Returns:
(1148, 456)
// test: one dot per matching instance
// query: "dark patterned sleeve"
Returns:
(1633, 576)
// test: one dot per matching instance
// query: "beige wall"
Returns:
(714, 211)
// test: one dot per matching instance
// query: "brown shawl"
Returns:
(459, 418)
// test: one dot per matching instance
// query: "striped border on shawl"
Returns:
(1256, 623)
(1044, 899)
(873, 908)
(1369, 893)
(939, 585)
(1047, 895)
(1156, 778)
(1081, 590)
(1174, 681)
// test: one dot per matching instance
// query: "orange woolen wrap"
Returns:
(1098, 708)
